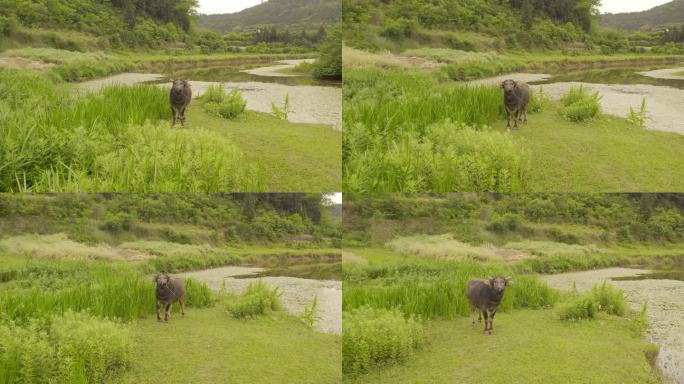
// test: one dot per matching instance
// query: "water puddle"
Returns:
(655, 275)
(318, 271)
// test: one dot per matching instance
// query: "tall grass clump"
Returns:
(256, 300)
(435, 289)
(570, 262)
(67, 348)
(376, 337)
(578, 105)
(217, 102)
(406, 133)
(198, 294)
(602, 298)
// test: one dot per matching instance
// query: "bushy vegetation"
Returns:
(377, 337)
(604, 298)
(329, 63)
(53, 141)
(435, 289)
(578, 105)
(68, 348)
(217, 102)
(256, 300)
(404, 133)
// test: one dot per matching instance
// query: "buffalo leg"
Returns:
(472, 315)
(173, 113)
(508, 118)
(167, 312)
(486, 319)
(158, 308)
(182, 305)
(182, 116)
(491, 321)
(525, 111)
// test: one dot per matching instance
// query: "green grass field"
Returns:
(209, 346)
(293, 157)
(607, 155)
(529, 346)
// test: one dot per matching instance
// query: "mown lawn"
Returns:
(605, 155)
(527, 346)
(294, 157)
(208, 346)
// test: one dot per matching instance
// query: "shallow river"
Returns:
(311, 100)
(665, 309)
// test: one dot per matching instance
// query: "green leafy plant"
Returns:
(579, 106)
(310, 316)
(256, 300)
(282, 113)
(639, 117)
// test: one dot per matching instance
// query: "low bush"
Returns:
(218, 103)
(257, 299)
(581, 308)
(579, 106)
(198, 294)
(609, 299)
(69, 348)
(375, 337)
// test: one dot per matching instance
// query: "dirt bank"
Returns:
(19, 63)
(274, 71)
(296, 293)
(665, 310)
(663, 104)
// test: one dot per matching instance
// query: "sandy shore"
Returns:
(296, 293)
(665, 310)
(663, 104)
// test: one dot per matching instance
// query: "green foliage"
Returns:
(309, 315)
(256, 300)
(329, 64)
(404, 133)
(283, 112)
(609, 299)
(435, 289)
(218, 103)
(198, 294)
(377, 337)
(581, 308)
(579, 106)
(638, 118)
(69, 348)
(55, 141)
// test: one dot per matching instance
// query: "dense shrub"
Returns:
(329, 63)
(581, 308)
(602, 298)
(375, 337)
(257, 299)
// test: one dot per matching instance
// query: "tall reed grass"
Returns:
(112, 140)
(435, 289)
(403, 132)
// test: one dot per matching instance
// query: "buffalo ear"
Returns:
(515, 84)
(491, 281)
(503, 84)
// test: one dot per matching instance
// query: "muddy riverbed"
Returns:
(665, 309)
(296, 293)
(314, 104)
(623, 89)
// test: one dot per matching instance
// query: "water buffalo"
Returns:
(179, 97)
(516, 98)
(485, 296)
(169, 290)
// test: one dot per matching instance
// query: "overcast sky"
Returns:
(619, 6)
(209, 7)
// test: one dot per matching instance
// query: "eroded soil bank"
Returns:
(296, 293)
(665, 310)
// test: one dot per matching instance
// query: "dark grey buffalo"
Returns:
(516, 98)
(169, 290)
(179, 97)
(485, 296)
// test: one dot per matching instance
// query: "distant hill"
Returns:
(296, 14)
(655, 18)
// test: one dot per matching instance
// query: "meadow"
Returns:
(77, 296)
(407, 259)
